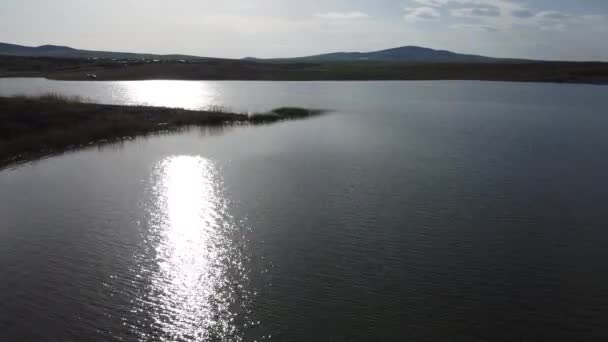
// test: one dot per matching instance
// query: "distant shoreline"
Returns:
(33, 127)
(69, 69)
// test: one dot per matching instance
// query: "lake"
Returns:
(423, 211)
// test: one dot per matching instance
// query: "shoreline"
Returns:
(588, 82)
(34, 127)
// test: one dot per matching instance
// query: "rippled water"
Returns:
(199, 282)
(437, 211)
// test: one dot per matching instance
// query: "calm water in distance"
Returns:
(423, 211)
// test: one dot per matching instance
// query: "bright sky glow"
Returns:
(549, 29)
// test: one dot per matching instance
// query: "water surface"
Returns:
(466, 211)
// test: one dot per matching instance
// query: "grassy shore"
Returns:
(34, 127)
(224, 69)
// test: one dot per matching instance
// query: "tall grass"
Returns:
(52, 98)
(283, 113)
(32, 126)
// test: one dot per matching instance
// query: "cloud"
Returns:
(421, 14)
(503, 14)
(431, 3)
(342, 15)
(479, 11)
(470, 8)
(476, 27)
(553, 15)
(554, 21)
(460, 3)
(522, 13)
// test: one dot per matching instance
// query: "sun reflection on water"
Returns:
(164, 93)
(197, 282)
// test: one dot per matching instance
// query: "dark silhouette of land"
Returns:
(404, 54)
(226, 69)
(58, 51)
(34, 127)
(403, 63)
(399, 54)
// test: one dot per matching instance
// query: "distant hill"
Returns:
(406, 54)
(68, 52)
(410, 54)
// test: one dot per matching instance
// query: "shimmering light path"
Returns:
(184, 94)
(197, 281)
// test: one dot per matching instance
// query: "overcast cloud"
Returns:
(547, 29)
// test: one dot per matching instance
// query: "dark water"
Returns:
(439, 211)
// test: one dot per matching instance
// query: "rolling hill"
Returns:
(68, 52)
(408, 54)
(404, 63)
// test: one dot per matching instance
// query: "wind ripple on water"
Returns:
(194, 261)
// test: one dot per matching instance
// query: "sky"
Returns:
(539, 29)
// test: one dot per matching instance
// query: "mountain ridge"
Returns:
(409, 53)
(59, 51)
